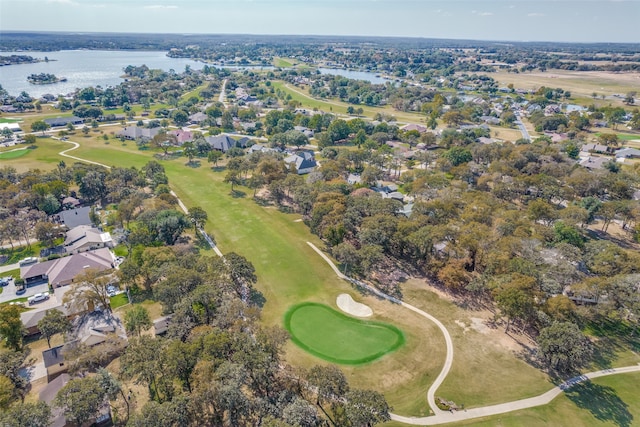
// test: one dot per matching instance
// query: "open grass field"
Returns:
(337, 338)
(605, 402)
(580, 84)
(13, 154)
(338, 107)
(19, 252)
(275, 243)
(283, 62)
(624, 136)
(44, 156)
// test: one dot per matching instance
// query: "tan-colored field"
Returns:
(579, 83)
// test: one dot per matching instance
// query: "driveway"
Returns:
(34, 372)
(9, 292)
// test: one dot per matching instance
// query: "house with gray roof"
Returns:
(135, 132)
(303, 161)
(221, 142)
(627, 153)
(62, 271)
(63, 121)
(86, 238)
(197, 118)
(592, 162)
(74, 217)
(54, 362)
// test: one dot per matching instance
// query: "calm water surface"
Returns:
(84, 68)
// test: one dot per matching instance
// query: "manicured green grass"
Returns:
(16, 254)
(604, 402)
(13, 273)
(119, 300)
(21, 299)
(339, 107)
(282, 63)
(622, 136)
(7, 120)
(13, 154)
(337, 338)
(121, 250)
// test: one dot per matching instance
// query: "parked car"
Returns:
(4, 281)
(112, 290)
(38, 298)
(20, 289)
(27, 261)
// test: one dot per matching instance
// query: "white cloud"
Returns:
(160, 6)
(486, 13)
(69, 2)
(535, 15)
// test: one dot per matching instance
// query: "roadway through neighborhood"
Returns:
(521, 126)
(443, 417)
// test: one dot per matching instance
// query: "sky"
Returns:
(503, 20)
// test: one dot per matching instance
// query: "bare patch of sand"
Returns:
(349, 306)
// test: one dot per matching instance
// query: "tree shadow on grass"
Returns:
(603, 403)
(193, 164)
(218, 168)
(257, 298)
(238, 194)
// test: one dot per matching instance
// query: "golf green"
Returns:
(337, 338)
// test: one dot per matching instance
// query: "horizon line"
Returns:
(182, 34)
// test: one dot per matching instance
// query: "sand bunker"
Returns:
(349, 306)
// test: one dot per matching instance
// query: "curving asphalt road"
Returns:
(443, 417)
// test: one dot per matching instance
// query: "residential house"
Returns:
(161, 325)
(258, 148)
(14, 127)
(48, 394)
(305, 131)
(63, 121)
(354, 179)
(490, 120)
(70, 202)
(62, 271)
(86, 238)
(54, 362)
(197, 118)
(135, 133)
(411, 126)
(627, 153)
(75, 217)
(594, 148)
(592, 162)
(221, 142)
(182, 135)
(244, 142)
(552, 109)
(303, 161)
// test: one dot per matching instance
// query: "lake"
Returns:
(355, 75)
(84, 68)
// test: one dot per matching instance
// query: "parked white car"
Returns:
(38, 298)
